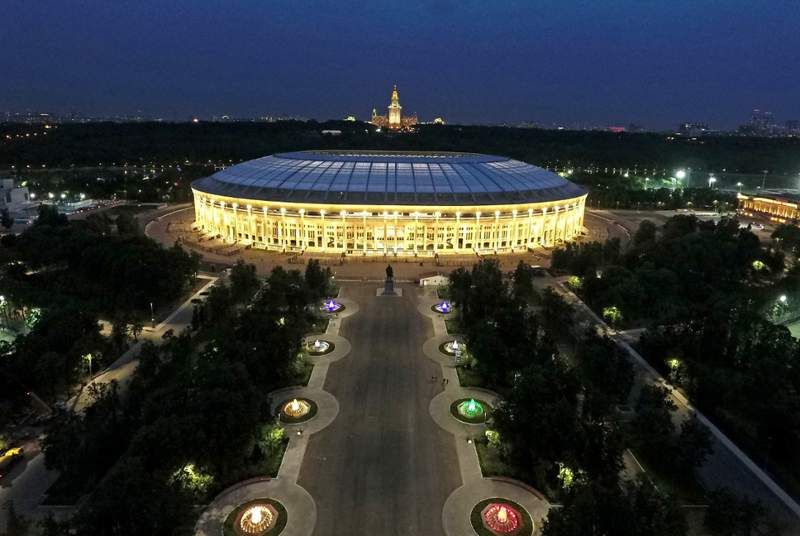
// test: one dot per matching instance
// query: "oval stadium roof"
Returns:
(388, 178)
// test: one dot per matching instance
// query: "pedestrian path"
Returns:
(475, 488)
(301, 510)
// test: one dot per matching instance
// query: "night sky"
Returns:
(606, 62)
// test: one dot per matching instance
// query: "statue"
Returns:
(388, 288)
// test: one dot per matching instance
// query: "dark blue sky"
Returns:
(603, 61)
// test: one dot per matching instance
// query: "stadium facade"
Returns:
(383, 202)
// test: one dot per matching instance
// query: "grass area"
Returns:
(470, 378)
(319, 325)
(251, 467)
(443, 292)
(526, 524)
(277, 528)
(453, 325)
(287, 419)
(491, 462)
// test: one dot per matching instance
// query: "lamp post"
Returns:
(711, 180)
(152, 315)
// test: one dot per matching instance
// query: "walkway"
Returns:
(475, 488)
(383, 467)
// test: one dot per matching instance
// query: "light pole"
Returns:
(152, 315)
(711, 180)
(739, 186)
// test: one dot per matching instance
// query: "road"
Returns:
(383, 466)
(27, 484)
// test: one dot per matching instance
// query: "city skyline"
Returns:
(572, 64)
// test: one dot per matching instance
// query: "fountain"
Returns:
(296, 409)
(501, 518)
(331, 306)
(319, 347)
(471, 409)
(257, 519)
(443, 307)
(453, 347)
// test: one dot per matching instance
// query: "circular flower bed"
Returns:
(470, 410)
(259, 517)
(500, 517)
(296, 410)
(324, 347)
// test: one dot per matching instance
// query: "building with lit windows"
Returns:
(396, 203)
(780, 207)
(394, 119)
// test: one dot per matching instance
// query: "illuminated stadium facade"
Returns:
(380, 202)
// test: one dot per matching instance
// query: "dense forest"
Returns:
(134, 143)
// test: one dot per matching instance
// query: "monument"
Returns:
(388, 286)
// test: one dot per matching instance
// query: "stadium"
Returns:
(359, 202)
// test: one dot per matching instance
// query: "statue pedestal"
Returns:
(388, 289)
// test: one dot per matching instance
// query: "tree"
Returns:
(632, 509)
(694, 443)
(5, 219)
(317, 279)
(731, 515)
(16, 525)
(652, 425)
(244, 281)
(787, 236)
(606, 372)
(645, 235)
(523, 282)
(556, 313)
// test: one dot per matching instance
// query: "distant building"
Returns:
(394, 119)
(778, 206)
(692, 129)
(15, 199)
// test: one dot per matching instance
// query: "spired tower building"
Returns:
(394, 119)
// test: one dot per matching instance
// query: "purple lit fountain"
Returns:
(332, 306)
(443, 307)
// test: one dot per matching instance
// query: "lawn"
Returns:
(453, 325)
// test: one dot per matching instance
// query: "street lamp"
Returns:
(782, 298)
(739, 186)
(152, 315)
(680, 174)
(711, 180)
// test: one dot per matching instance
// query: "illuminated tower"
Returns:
(394, 110)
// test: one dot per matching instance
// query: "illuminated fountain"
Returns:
(501, 518)
(443, 307)
(454, 347)
(296, 409)
(471, 409)
(331, 306)
(257, 519)
(319, 347)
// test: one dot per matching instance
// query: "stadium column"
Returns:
(364, 229)
(343, 214)
(385, 235)
(543, 231)
(436, 233)
(531, 234)
(514, 229)
(395, 231)
(459, 240)
(282, 229)
(416, 231)
(303, 234)
(476, 238)
(496, 231)
(324, 231)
